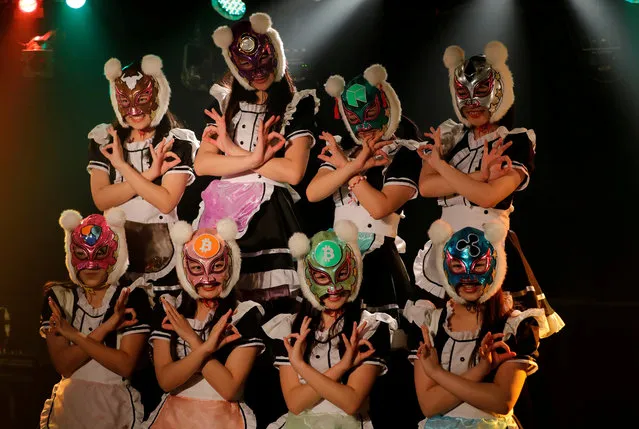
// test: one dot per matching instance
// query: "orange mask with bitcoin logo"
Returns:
(206, 260)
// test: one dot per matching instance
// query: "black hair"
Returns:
(279, 96)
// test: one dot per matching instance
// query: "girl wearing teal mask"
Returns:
(472, 357)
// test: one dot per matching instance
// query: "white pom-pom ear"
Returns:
(495, 232)
(151, 65)
(113, 69)
(260, 22)
(334, 86)
(440, 232)
(375, 74)
(453, 56)
(70, 219)
(115, 217)
(299, 244)
(496, 53)
(223, 37)
(346, 231)
(227, 229)
(181, 232)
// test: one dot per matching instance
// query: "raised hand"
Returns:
(353, 355)
(159, 159)
(174, 321)
(216, 133)
(113, 151)
(296, 351)
(332, 152)
(268, 142)
(492, 160)
(432, 152)
(58, 324)
(222, 333)
(367, 158)
(375, 142)
(488, 351)
(118, 319)
(427, 354)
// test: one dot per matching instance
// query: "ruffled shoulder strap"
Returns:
(141, 283)
(99, 134)
(423, 312)
(279, 326)
(65, 297)
(291, 107)
(517, 317)
(221, 94)
(374, 320)
(243, 308)
(452, 133)
(530, 134)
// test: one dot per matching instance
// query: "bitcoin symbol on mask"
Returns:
(206, 245)
(329, 254)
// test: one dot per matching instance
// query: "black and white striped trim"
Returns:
(98, 166)
(524, 169)
(300, 133)
(137, 329)
(402, 181)
(281, 360)
(327, 165)
(160, 335)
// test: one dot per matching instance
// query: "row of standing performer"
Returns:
(220, 302)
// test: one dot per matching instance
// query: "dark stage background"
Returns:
(575, 67)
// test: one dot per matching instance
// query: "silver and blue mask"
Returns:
(469, 258)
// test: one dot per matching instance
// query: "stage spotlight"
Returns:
(28, 6)
(37, 56)
(75, 4)
(229, 9)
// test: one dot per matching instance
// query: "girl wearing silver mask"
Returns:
(472, 357)
(258, 144)
(475, 167)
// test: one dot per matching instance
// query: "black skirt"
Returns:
(269, 273)
(386, 285)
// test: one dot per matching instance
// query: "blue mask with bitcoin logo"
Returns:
(469, 258)
(330, 267)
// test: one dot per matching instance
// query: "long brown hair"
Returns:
(492, 312)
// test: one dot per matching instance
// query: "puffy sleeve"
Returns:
(522, 152)
(276, 329)
(98, 137)
(404, 170)
(139, 302)
(185, 146)
(299, 116)
(247, 320)
(420, 313)
(379, 332)
(521, 333)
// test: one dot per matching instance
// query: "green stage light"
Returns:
(75, 4)
(229, 9)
